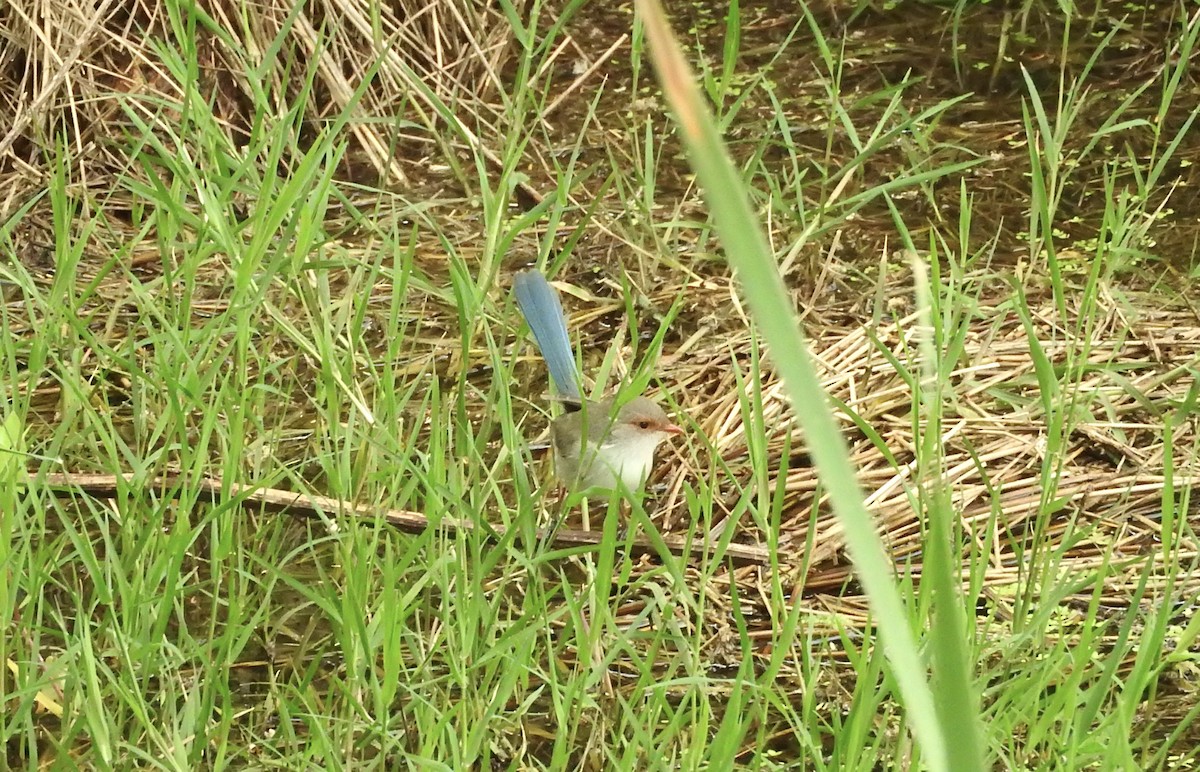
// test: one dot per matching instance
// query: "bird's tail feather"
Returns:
(543, 311)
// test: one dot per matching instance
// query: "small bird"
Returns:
(608, 444)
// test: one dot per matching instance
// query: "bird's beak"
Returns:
(672, 429)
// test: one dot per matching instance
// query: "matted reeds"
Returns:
(1126, 381)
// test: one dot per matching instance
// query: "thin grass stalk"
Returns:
(747, 249)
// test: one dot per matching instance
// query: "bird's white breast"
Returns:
(630, 459)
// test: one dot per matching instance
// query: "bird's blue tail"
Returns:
(539, 303)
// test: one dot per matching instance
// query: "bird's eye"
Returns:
(643, 424)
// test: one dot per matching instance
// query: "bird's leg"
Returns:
(624, 519)
(586, 513)
(561, 511)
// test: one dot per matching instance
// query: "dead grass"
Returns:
(1129, 373)
(71, 68)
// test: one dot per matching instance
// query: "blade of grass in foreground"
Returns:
(748, 252)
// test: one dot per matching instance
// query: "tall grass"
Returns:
(241, 302)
